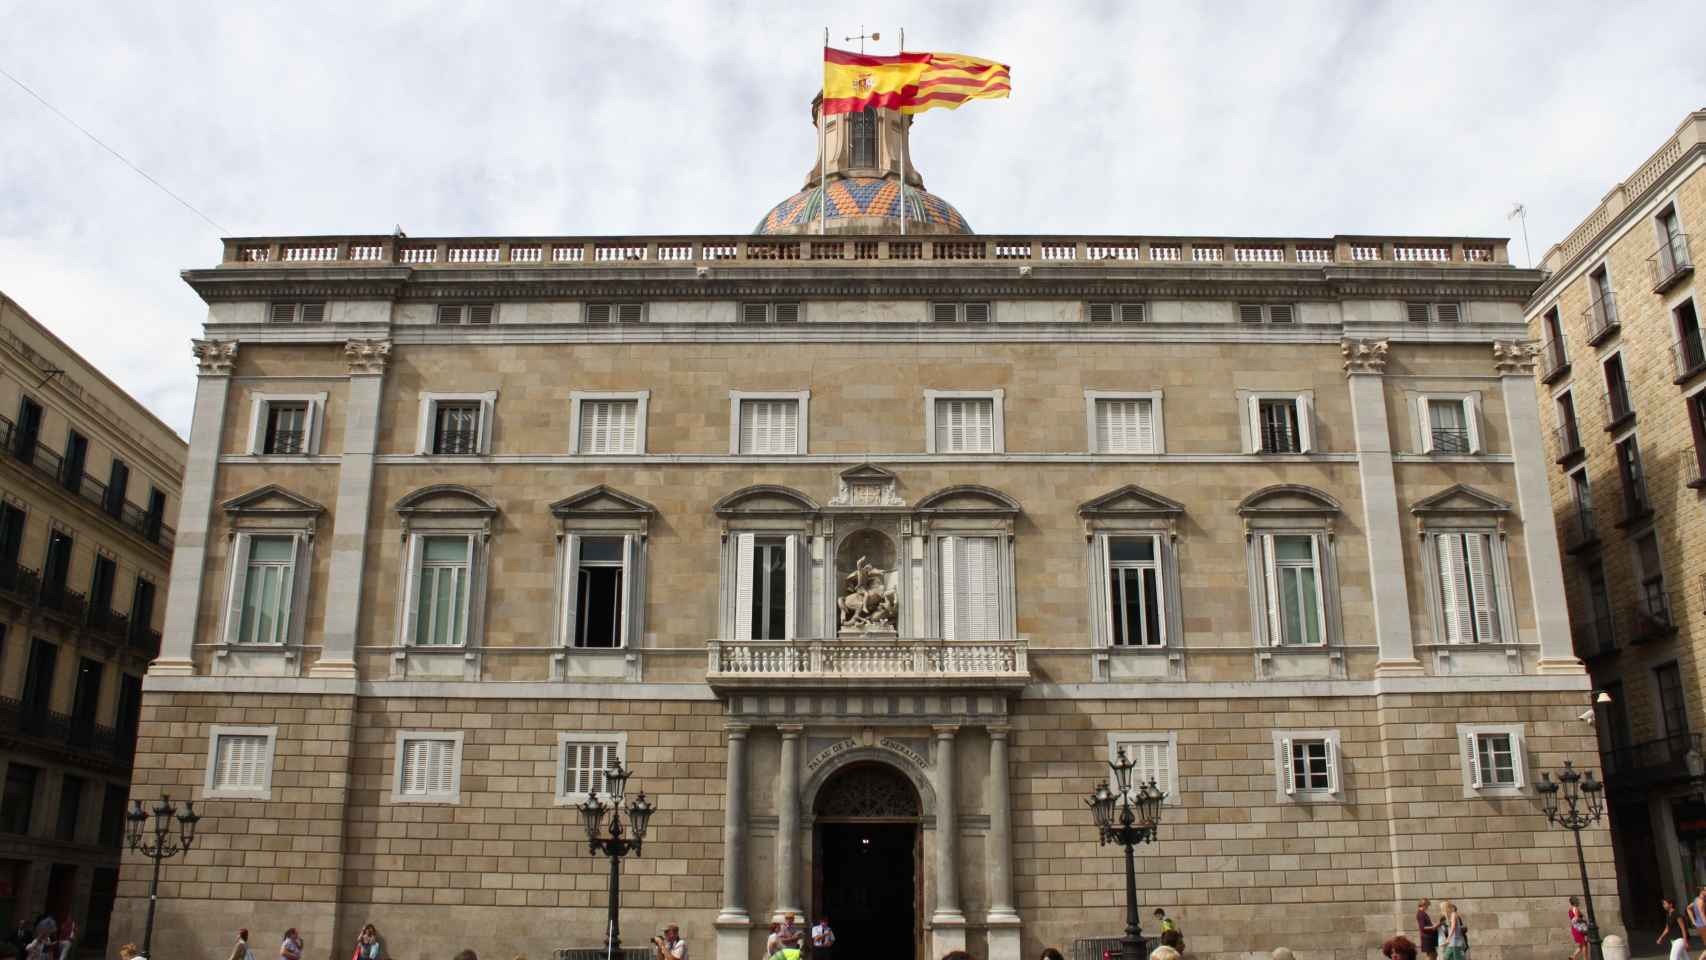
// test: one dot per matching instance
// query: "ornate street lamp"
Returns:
(1127, 815)
(616, 845)
(163, 846)
(1584, 804)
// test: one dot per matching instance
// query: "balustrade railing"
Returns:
(28, 451)
(1595, 637)
(1450, 440)
(868, 658)
(1688, 353)
(1581, 529)
(1553, 357)
(1601, 317)
(1670, 262)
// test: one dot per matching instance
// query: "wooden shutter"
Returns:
(1132, 313)
(1288, 767)
(628, 312)
(1250, 313)
(976, 312)
(1255, 444)
(239, 585)
(1305, 420)
(1427, 417)
(1152, 763)
(944, 312)
(1270, 570)
(1447, 312)
(787, 414)
(449, 313)
(1102, 587)
(1481, 587)
(980, 425)
(598, 313)
(625, 426)
(1101, 312)
(1416, 312)
(978, 580)
(754, 312)
(1454, 588)
(440, 766)
(480, 313)
(786, 312)
(1330, 750)
(791, 579)
(571, 587)
(1144, 428)
(751, 412)
(1472, 757)
(1280, 313)
(1320, 589)
(948, 590)
(743, 586)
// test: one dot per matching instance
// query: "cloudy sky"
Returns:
(1273, 118)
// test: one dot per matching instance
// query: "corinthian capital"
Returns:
(1513, 358)
(1364, 356)
(367, 356)
(214, 358)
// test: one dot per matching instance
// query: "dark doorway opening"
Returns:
(869, 887)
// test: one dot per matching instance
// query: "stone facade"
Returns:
(82, 601)
(1644, 624)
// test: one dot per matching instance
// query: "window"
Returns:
(1279, 423)
(976, 311)
(1292, 581)
(142, 612)
(444, 566)
(1697, 425)
(583, 759)
(307, 311)
(17, 804)
(779, 312)
(1469, 599)
(615, 312)
(11, 537)
(768, 424)
(113, 808)
(1598, 631)
(118, 484)
(601, 591)
(1671, 259)
(1433, 312)
(38, 680)
(1601, 313)
(1617, 403)
(1307, 765)
(70, 808)
(28, 435)
(285, 425)
(1654, 605)
(1673, 706)
(1135, 602)
(1155, 756)
(155, 516)
(1265, 313)
(862, 137)
(1115, 312)
(76, 458)
(1492, 760)
(605, 424)
(766, 579)
(239, 763)
(1581, 495)
(475, 314)
(428, 767)
(1569, 433)
(261, 590)
(1554, 358)
(1614, 726)
(969, 576)
(56, 566)
(1124, 423)
(1635, 502)
(1690, 350)
(456, 424)
(101, 589)
(1449, 425)
(962, 422)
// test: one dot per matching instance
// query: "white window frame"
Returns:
(1004, 606)
(1471, 405)
(236, 585)
(412, 584)
(1162, 545)
(633, 547)
(996, 396)
(564, 796)
(1303, 400)
(1267, 565)
(1093, 397)
(1498, 568)
(488, 402)
(802, 399)
(1169, 740)
(641, 400)
(454, 795)
(742, 547)
(210, 787)
(1286, 790)
(1468, 751)
(259, 410)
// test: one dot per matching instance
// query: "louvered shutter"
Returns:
(1279, 313)
(743, 586)
(628, 312)
(1417, 312)
(1250, 312)
(1152, 763)
(1320, 577)
(1255, 444)
(791, 579)
(978, 582)
(1448, 312)
(239, 586)
(1270, 572)
(283, 312)
(1143, 423)
(595, 427)
(625, 426)
(1472, 757)
(1330, 751)
(449, 313)
(980, 424)
(1132, 312)
(976, 312)
(1454, 588)
(944, 312)
(1289, 767)
(1305, 424)
(598, 313)
(1101, 312)
(788, 424)
(786, 312)
(1103, 586)
(751, 412)
(754, 312)
(1427, 425)
(1481, 590)
(571, 587)
(948, 594)
(314, 312)
(480, 313)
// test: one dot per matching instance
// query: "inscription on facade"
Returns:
(902, 748)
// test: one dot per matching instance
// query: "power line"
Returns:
(121, 157)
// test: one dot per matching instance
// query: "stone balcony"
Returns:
(867, 663)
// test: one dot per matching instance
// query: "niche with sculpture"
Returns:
(868, 597)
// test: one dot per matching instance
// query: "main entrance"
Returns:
(865, 875)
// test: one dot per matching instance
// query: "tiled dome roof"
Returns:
(862, 198)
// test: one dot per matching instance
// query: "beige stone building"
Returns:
(864, 549)
(1623, 383)
(88, 485)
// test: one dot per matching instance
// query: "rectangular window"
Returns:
(56, 566)
(1654, 605)
(28, 434)
(476, 314)
(240, 762)
(1311, 766)
(583, 761)
(1123, 425)
(1492, 759)
(312, 311)
(770, 427)
(599, 591)
(1690, 350)
(11, 537)
(76, 457)
(779, 312)
(268, 578)
(154, 519)
(17, 805)
(1635, 503)
(142, 613)
(965, 425)
(1449, 427)
(1697, 426)
(615, 312)
(609, 427)
(1422, 312)
(972, 312)
(113, 808)
(1154, 758)
(1581, 495)
(1134, 591)
(1468, 595)
(38, 680)
(1116, 312)
(286, 429)
(441, 590)
(970, 580)
(101, 588)
(1292, 566)
(1278, 423)
(86, 699)
(1306, 766)
(456, 428)
(428, 768)
(70, 808)
(1569, 433)
(118, 483)
(1617, 403)
(1673, 706)
(1265, 313)
(769, 573)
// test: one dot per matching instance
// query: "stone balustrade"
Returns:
(859, 662)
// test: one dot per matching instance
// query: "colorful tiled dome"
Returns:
(853, 199)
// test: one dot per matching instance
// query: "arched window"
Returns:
(865, 138)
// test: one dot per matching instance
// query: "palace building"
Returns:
(864, 540)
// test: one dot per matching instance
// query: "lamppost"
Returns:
(1583, 806)
(1128, 817)
(615, 845)
(163, 847)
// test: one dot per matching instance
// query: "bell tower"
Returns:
(874, 143)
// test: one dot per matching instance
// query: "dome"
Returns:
(863, 205)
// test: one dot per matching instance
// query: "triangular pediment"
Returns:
(273, 500)
(867, 473)
(1131, 500)
(765, 499)
(1462, 499)
(602, 501)
(1288, 499)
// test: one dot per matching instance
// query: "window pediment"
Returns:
(969, 499)
(275, 507)
(765, 500)
(1131, 507)
(604, 504)
(1460, 500)
(1289, 499)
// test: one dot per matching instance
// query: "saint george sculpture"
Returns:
(869, 603)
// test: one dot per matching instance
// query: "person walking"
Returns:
(1696, 912)
(1675, 931)
(240, 950)
(823, 939)
(1454, 932)
(1427, 931)
(1578, 931)
(291, 948)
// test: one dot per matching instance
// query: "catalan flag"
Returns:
(908, 82)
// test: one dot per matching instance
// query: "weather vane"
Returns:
(873, 36)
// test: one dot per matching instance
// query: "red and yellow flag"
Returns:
(908, 82)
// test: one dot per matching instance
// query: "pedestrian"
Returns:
(1165, 921)
(1675, 931)
(240, 950)
(670, 946)
(1697, 917)
(790, 933)
(1427, 930)
(128, 952)
(367, 944)
(1578, 931)
(823, 939)
(1050, 953)
(1163, 953)
(773, 942)
(1455, 932)
(291, 948)
(1398, 948)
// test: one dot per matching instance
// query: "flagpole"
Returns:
(823, 148)
(905, 148)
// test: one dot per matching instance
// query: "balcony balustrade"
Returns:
(24, 585)
(1650, 618)
(459, 443)
(1670, 263)
(1581, 530)
(1567, 439)
(1688, 354)
(1554, 358)
(868, 663)
(49, 465)
(1595, 637)
(1451, 440)
(79, 736)
(1637, 766)
(1618, 409)
(1601, 318)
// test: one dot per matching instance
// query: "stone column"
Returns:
(1365, 369)
(1003, 917)
(732, 921)
(948, 923)
(788, 825)
(1514, 363)
(367, 359)
(214, 361)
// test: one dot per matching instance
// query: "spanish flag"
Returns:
(908, 82)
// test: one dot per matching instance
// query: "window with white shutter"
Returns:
(1155, 759)
(1467, 587)
(1136, 608)
(239, 762)
(428, 767)
(443, 572)
(583, 759)
(1292, 589)
(1448, 425)
(1125, 425)
(1307, 767)
(1492, 759)
(770, 427)
(599, 589)
(285, 424)
(964, 425)
(264, 587)
(609, 426)
(969, 575)
(456, 424)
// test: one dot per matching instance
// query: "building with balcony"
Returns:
(1623, 384)
(866, 550)
(88, 478)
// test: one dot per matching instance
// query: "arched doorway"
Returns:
(865, 863)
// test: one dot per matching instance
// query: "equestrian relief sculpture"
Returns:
(869, 603)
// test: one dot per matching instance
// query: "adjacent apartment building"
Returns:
(865, 540)
(88, 480)
(1623, 384)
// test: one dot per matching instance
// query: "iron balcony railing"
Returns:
(27, 450)
(1581, 530)
(1601, 318)
(25, 585)
(1688, 354)
(1636, 504)
(1650, 761)
(20, 581)
(1650, 617)
(1567, 438)
(456, 442)
(1595, 637)
(288, 441)
(1451, 440)
(56, 597)
(81, 735)
(1617, 405)
(1554, 357)
(1670, 263)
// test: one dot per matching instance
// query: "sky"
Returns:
(1261, 119)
